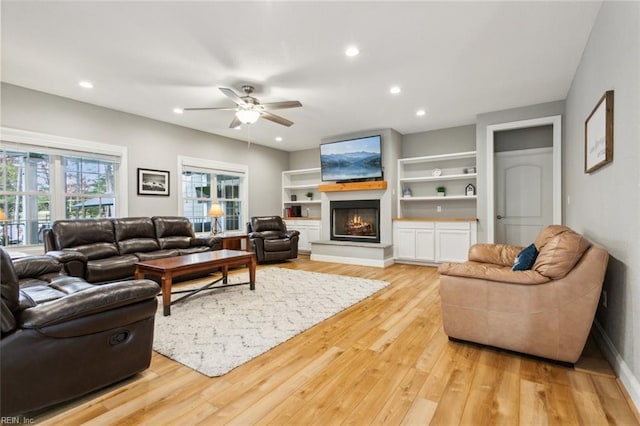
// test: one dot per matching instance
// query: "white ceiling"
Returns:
(453, 59)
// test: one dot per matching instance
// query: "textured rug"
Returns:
(214, 332)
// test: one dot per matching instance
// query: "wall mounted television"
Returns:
(351, 160)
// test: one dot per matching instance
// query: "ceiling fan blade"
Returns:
(282, 105)
(202, 109)
(276, 119)
(235, 123)
(232, 95)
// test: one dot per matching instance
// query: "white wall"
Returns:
(605, 204)
(150, 144)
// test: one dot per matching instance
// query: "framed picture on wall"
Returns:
(153, 182)
(598, 134)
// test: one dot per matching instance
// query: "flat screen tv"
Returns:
(351, 160)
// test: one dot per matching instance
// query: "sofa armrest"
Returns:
(496, 254)
(88, 302)
(64, 256)
(256, 235)
(215, 243)
(73, 262)
(491, 272)
(291, 234)
(35, 266)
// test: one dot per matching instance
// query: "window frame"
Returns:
(217, 167)
(11, 138)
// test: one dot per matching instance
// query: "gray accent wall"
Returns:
(441, 141)
(150, 144)
(605, 205)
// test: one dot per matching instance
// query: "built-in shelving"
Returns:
(421, 176)
(296, 184)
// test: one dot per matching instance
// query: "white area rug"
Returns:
(215, 331)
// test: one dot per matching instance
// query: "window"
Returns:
(207, 182)
(43, 180)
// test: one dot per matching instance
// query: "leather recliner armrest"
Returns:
(64, 256)
(496, 254)
(73, 262)
(88, 302)
(291, 234)
(258, 235)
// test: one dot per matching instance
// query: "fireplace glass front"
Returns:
(357, 221)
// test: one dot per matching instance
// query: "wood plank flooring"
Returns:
(384, 361)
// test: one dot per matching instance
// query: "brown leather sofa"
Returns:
(103, 250)
(271, 240)
(63, 337)
(546, 311)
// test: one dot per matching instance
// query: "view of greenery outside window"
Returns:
(197, 198)
(25, 196)
(27, 193)
(89, 191)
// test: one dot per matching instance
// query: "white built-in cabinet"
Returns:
(309, 231)
(433, 241)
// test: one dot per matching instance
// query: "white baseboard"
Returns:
(353, 260)
(624, 373)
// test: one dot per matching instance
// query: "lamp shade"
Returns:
(216, 211)
(248, 116)
(3, 216)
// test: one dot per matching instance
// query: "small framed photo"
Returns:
(598, 134)
(153, 182)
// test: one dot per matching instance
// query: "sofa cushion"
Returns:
(135, 234)
(525, 259)
(277, 245)
(158, 254)
(74, 233)
(96, 250)
(174, 242)
(559, 249)
(35, 266)
(268, 223)
(111, 268)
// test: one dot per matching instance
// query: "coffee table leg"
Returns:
(252, 273)
(225, 272)
(166, 294)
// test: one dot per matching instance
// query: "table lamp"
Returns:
(215, 212)
(3, 219)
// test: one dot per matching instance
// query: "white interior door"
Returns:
(524, 194)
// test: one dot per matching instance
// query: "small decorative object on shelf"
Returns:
(406, 192)
(470, 190)
(441, 191)
(309, 196)
(436, 172)
(294, 197)
(470, 170)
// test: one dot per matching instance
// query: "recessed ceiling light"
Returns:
(278, 139)
(178, 110)
(86, 84)
(352, 51)
(420, 112)
(395, 90)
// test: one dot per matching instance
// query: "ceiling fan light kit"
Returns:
(248, 116)
(249, 109)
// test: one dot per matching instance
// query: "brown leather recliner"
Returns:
(63, 337)
(546, 311)
(271, 240)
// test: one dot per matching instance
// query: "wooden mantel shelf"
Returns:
(353, 186)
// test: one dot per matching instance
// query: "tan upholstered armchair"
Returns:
(546, 311)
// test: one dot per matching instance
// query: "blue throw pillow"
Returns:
(525, 259)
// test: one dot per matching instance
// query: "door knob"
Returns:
(500, 217)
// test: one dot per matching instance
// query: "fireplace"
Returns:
(357, 220)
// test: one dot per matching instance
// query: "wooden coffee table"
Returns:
(178, 266)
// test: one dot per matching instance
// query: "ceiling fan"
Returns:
(248, 109)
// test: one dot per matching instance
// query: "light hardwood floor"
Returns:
(385, 361)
